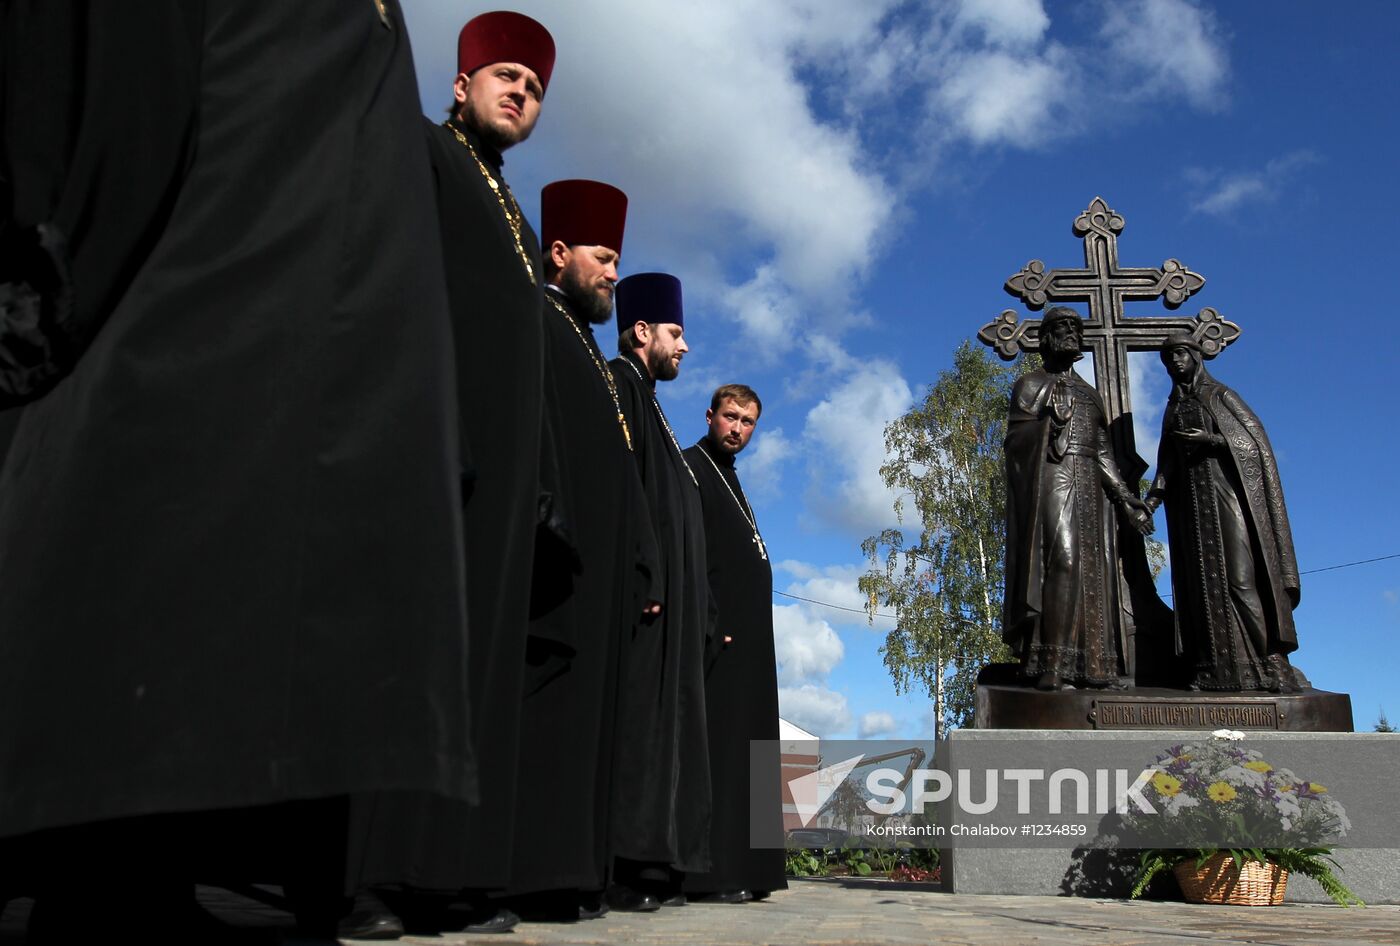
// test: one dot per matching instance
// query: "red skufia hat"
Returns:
(504, 36)
(582, 213)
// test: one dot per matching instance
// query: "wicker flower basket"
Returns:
(1257, 885)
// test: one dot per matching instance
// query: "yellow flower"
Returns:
(1165, 784)
(1316, 789)
(1259, 766)
(1221, 792)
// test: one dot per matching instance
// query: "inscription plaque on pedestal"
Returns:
(1186, 714)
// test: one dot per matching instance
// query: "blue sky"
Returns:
(844, 188)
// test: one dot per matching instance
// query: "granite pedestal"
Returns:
(1373, 873)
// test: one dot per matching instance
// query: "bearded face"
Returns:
(590, 294)
(1063, 338)
(664, 351)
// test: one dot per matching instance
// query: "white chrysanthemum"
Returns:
(1180, 801)
(1239, 775)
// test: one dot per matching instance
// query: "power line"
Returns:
(836, 607)
(892, 617)
(1364, 561)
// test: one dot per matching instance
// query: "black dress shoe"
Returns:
(593, 912)
(674, 900)
(592, 905)
(725, 896)
(761, 894)
(369, 918)
(629, 900)
(377, 924)
(502, 921)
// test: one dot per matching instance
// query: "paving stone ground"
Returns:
(848, 912)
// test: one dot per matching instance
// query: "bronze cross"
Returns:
(1108, 334)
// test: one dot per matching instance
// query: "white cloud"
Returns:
(806, 648)
(761, 465)
(1228, 191)
(1167, 48)
(816, 709)
(766, 311)
(1149, 386)
(845, 434)
(1004, 22)
(998, 98)
(833, 584)
(875, 724)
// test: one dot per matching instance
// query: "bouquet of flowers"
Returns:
(1219, 798)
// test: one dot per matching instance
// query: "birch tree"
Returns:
(942, 574)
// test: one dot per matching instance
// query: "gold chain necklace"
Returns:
(744, 510)
(602, 368)
(514, 220)
(665, 424)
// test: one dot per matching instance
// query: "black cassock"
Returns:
(741, 686)
(661, 791)
(230, 534)
(439, 845)
(569, 711)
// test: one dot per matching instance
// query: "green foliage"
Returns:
(1156, 551)
(860, 860)
(923, 858)
(945, 462)
(1314, 862)
(805, 863)
(1383, 724)
(863, 861)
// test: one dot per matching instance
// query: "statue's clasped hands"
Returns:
(1139, 514)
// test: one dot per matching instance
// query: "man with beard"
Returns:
(1234, 572)
(1063, 611)
(741, 679)
(661, 794)
(494, 283)
(589, 592)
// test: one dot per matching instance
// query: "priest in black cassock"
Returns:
(661, 790)
(562, 856)
(494, 288)
(230, 527)
(741, 679)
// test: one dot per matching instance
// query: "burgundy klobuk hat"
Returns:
(504, 36)
(582, 213)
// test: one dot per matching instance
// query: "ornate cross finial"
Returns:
(1105, 285)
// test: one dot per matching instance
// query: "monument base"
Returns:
(1373, 874)
(1002, 702)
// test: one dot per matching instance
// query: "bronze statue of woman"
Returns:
(1234, 572)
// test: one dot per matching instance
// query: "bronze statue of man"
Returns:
(1063, 611)
(1234, 572)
